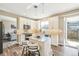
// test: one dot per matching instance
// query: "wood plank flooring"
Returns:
(16, 50)
(64, 51)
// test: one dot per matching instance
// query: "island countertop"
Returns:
(45, 45)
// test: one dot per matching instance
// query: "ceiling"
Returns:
(43, 9)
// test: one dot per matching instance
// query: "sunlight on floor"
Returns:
(72, 43)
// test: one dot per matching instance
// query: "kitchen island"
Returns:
(44, 45)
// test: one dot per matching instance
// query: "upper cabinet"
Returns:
(53, 28)
(53, 22)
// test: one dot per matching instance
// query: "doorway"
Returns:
(1, 41)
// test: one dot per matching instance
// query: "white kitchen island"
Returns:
(44, 45)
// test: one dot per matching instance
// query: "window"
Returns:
(44, 25)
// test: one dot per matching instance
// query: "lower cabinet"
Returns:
(54, 40)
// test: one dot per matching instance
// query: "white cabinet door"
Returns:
(54, 24)
(54, 40)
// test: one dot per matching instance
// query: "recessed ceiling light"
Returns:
(35, 6)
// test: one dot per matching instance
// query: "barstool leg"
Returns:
(39, 52)
(23, 51)
(26, 52)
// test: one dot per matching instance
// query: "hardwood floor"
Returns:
(16, 50)
(64, 51)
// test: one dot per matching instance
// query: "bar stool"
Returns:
(25, 46)
(33, 49)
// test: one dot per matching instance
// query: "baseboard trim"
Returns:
(58, 45)
(61, 44)
(71, 46)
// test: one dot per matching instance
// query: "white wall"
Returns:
(7, 26)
